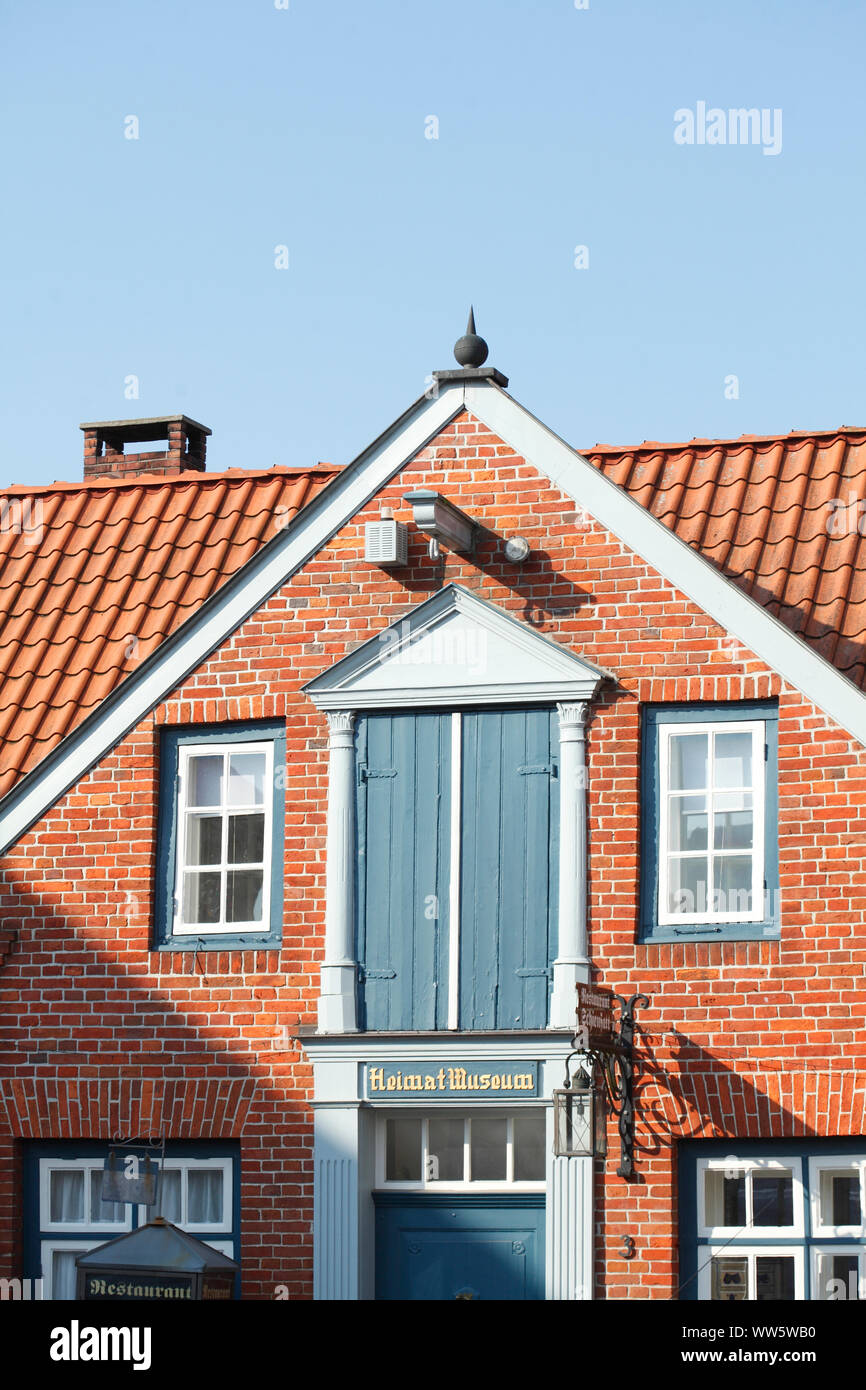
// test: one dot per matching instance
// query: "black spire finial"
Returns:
(470, 350)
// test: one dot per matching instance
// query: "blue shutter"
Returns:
(403, 764)
(510, 866)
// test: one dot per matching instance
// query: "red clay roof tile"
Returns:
(765, 510)
(115, 567)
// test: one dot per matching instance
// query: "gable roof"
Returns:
(458, 647)
(275, 561)
(777, 515)
(94, 576)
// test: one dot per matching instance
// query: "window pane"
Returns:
(201, 898)
(725, 1199)
(246, 839)
(244, 896)
(729, 1280)
(169, 1194)
(688, 761)
(733, 760)
(773, 1200)
(205, 780)
(687, 885)
(489, 1152)
(64, 1275)
(774, 1279)
(246, 779)
(846, 1273)
(403, 1150)
(445, 1150)
(99, 1210)
(67, 1195)
(203, 839)
(688, 822)
(204, 1195)
(732, 883)
(529, 1148)
(840, 1197)
(732, 821)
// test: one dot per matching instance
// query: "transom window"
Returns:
(451, 1151)
(224, 838)
(779, 1227)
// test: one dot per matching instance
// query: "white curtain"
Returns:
(169, 1194)
(63, 1273)
(205, 1196)
(67, 1195)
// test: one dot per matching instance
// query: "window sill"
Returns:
(196, 944)
(728, 931)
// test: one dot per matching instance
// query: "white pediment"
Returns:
(455, 648)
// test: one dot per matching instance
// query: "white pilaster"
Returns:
(337, 1008)
(569, 1229)
(572, 961)
(336, 1246)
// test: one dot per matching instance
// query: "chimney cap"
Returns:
(143, 428)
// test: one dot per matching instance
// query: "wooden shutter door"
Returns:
(509, 877)
(403, 808)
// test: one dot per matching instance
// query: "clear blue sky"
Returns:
(305, 127)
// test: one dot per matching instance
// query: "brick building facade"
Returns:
(117, 1020)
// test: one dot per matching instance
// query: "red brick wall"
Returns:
(740, 1039)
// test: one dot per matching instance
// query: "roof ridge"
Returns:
(189, 475)
(742, 441)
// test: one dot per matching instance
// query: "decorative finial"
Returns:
(470, 350)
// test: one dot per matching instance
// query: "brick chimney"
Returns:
(105, 441)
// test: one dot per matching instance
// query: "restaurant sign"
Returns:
(471, 1081)
(126, 1284)
(595, 1019)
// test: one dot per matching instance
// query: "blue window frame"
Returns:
(709, 817)
(770, 1221)
(219, 876)
(64, 1216)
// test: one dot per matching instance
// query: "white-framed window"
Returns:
(195, 1194)
(711, 822)
(755, 1274)
(70, 1198)
(69, 1216)
(837, 1192)
(454, 1151)
(224, 838)
(757, 1196)
(838, 1273)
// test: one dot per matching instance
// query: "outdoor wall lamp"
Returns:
(442, 521)
(579, 1116)
(580, 1111)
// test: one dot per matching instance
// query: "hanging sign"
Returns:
(470, 1081)
(595, 1017)
(130, 1175)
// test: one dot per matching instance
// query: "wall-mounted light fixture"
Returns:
(442, 521)
(579, 1116)
(517, 549)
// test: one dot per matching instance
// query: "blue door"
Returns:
(403, 793)
(510, 867)
(470, 1248)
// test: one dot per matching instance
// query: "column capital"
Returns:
(573, 715)
(340, 721)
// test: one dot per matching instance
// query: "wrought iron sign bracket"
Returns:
(615, 1062)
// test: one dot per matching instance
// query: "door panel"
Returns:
(403, 809)
(509, 880)
(440, 1248)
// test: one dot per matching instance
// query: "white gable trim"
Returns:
(219, 617)
(281, 558)
(454, 648)
(684, 567)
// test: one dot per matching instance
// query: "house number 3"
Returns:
(628, 1249)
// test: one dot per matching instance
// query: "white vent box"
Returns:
(386, 542)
